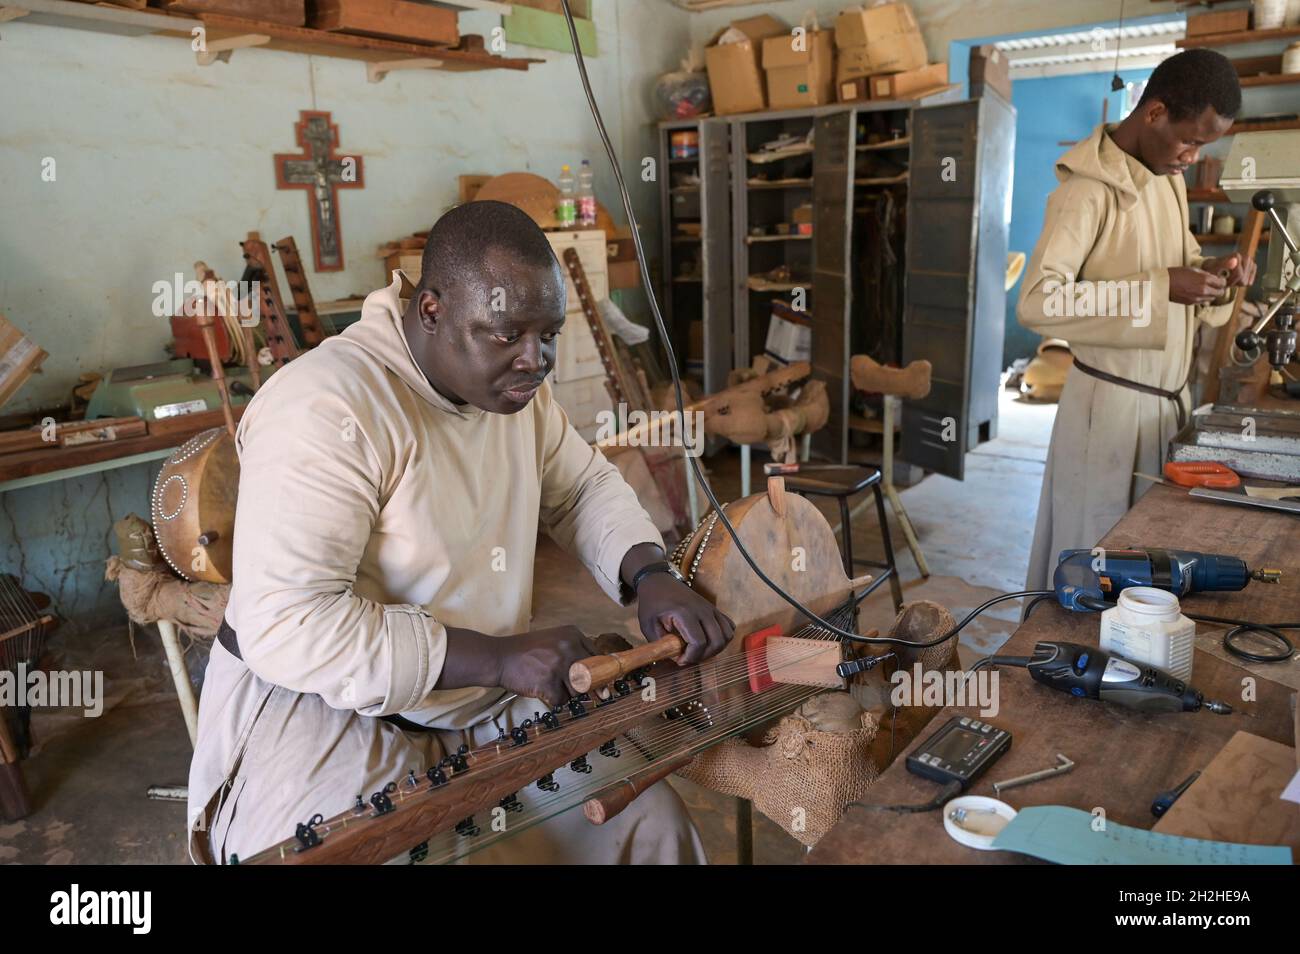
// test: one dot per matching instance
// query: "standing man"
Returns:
(1117, 274)
(392, 484)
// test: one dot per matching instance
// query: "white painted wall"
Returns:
(161, 162)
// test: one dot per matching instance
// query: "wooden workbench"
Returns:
(1122, 758)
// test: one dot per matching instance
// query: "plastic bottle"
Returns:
(1147, 626)
(586, 196)
(566, 212)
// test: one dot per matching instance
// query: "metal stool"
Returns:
(843, 481)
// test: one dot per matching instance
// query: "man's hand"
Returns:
(666, 605)
(535, 665)
(1240, 269)
(1194, 286)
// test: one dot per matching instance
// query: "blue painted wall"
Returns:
(1048, 111)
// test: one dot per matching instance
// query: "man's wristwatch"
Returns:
(660, 566)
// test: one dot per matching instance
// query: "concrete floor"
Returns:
(88, 777)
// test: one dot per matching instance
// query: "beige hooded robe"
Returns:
(373, 513)
(1099, 278)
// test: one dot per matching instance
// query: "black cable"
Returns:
(1021, 661)
(1032, 603)
(1241, 627)
(691, 460)
(948, 791)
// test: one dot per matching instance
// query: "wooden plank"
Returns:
(347, 46)
(1278, 79)
(287, 12)
(1102, 738)
(1237, 798)
(387, 19)
(171, 432)
(1262, 125)
(1241, 36)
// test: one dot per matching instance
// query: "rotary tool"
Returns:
(1086, 672)
(1090, 580)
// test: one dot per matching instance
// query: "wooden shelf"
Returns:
(1208, 195)
(892, 144)
(1262, 125)
(786, 184)
(751, 239)
(758, 283)
(1271, 79)
(776, 155)
(883, 180)
(1242, 36)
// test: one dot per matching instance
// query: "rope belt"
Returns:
(1174, 396)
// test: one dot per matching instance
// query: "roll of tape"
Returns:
(974, 820)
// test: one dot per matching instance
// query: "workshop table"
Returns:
(1122, 758)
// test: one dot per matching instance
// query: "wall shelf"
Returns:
(1242, 36)
(229, 33)
(1262, 125)
(1272, 79)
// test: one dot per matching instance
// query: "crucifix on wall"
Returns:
(322, 173)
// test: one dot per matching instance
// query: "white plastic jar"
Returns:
(1147, 626)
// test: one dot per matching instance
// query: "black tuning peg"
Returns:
(360, 807)
(622, 687)
(511, 803)
(520, 735)
(1263, 200)
(306, 833)
(549, 720)
(580, 765)
(436, 776)
(576, 708)
(547, 783)
(466, 827)
(383, 804)
(610, 749)
(420, 852)
(411, 781)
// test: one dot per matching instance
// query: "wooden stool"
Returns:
(843, 481)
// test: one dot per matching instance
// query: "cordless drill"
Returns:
(1091, 580)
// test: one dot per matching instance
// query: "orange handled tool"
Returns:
(1202, 473)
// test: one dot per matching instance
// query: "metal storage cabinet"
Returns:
(955, 298)
(706, 296)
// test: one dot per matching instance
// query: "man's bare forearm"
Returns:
(473, 659)
(637, 558)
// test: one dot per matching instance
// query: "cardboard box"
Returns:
(20, 358)
(989, 67)
(799, 77)
(1221, 21)
(388, 20)
(907, 84)
(881, 39)
(735, 79)
(853, 89)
